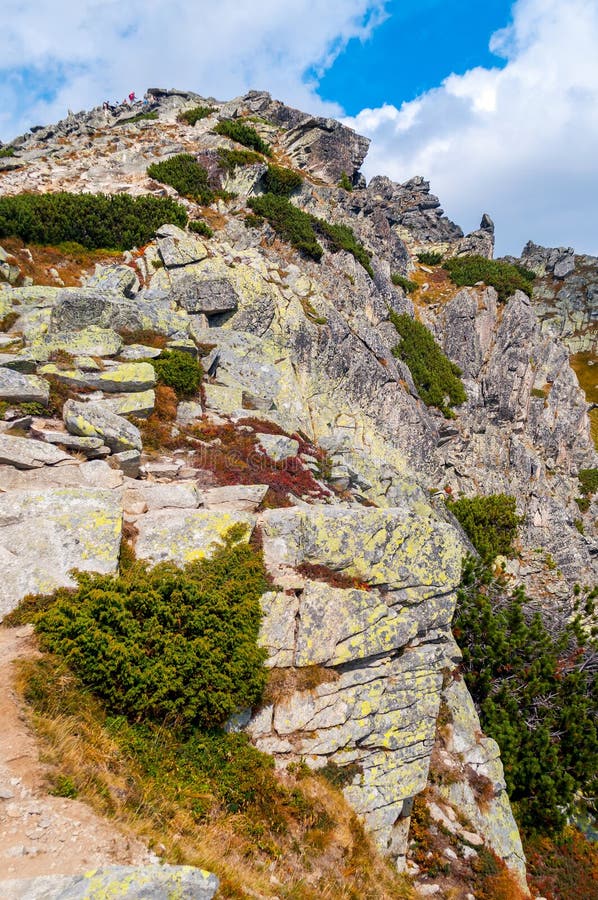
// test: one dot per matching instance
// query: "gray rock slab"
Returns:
(234, 497)
(140, 404)
(278, 447)
(155, 495)
(18, 388)
(93, 474)
(123, 378)
(178, 247)
(182, 536)
(204, 295)
(44, 534)
(92, 420)
(121, 279)
(90, 341)
(25, 453)
(151, 882)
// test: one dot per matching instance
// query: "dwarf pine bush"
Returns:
(166, 644)
(179, 371)
(490, 523)
(116, 221)
(505, 277)
(185, 175)
(243, 134)
(437, 379)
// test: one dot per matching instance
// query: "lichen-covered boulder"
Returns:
(18, 388)
(404, 549)
(121, 279)
(151, 882)
(90, 341)
(46, 533)
(133, 376)
(182, 535)
(92, 420)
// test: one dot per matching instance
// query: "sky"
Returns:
(495, 103)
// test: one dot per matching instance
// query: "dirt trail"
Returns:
(41, 834)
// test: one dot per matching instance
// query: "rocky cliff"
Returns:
(304, 391)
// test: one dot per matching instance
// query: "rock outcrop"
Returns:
(301, 376)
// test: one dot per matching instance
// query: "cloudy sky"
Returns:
(495, 103)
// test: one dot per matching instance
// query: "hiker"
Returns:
(132, 97)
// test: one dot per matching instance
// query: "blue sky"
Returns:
(412, 50)
(496, 103)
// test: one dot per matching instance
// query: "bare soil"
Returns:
(41, 834)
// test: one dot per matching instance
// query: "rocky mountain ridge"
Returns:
(303, 369)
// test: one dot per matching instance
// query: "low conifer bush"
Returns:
(403, 282)
(243, 134)
(115, 221)
(490, 523)
(437, 379)
(191, 116)
(230, 160)
(535, 690)
(291, 223)
(185, 175)
(281, 181)
(164, 644)
(179, 371)
(430, 257)
(202, 228)
(503, 276)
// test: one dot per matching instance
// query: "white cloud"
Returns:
(56, 54)
(519, 142)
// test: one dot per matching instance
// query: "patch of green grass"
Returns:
(191, 116)
(430, 257)
(503, 276)
(93, 221)
(490, 523)
(345, 182)
(403, 282)
(301, 229)
(436, 378)
(185, 175)
(242, 134)
(6, 152)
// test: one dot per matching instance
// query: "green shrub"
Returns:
(191, 116)
(536, 696)
(243, 134)
(436, 378)
(166, 643)
(140, 117)
(179, 371)
(185, 175)
(430, 257)
(588, 481)
(116, 221)
(289, 222)
(403, 282)
(253, 221)
(506, 278)
(345, 182)
(341, 237)
(232, 159)
(200, 227)
(6, 152)
(490, 523)
(280, 181)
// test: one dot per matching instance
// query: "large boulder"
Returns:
(45, 534)
(78, 308)
(183, 535)
(123, 378)
(178, 247)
